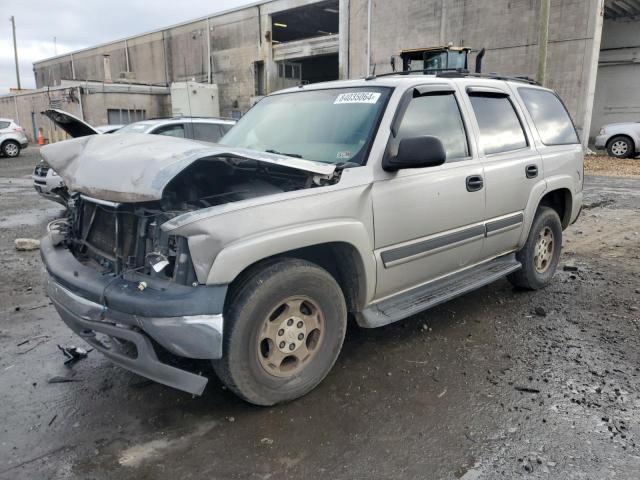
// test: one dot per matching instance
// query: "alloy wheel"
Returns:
(290, 336)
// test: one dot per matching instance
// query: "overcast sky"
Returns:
(84, 23)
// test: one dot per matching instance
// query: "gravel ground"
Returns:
(496, 384)
(611, 166)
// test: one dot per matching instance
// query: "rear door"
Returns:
(512, 165)
(428, 222)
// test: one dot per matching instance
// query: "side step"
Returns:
(438, 291)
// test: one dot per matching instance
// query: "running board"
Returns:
(438, 291)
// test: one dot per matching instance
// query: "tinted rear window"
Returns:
(4, 124)
(549, 116)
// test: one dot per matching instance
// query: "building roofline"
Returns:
(157, 30)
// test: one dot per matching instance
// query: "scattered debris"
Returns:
(600, 203)
(231, 419)
(541, 312)
(26, 244)
(73, 354)
(526, 389)
(53, 419)
(59, 379)
(570, 268)
(37, 337)
(442, 393)
(266, 441)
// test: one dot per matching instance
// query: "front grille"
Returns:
(41, 170)
(108, 231)
(120, 238)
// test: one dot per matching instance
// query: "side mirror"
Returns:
(416, 152)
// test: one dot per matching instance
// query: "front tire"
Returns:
(541, 253)
(284, 327)
(620, 147)
(10, 149)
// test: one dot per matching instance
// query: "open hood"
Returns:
(137, 167)
(72, 125)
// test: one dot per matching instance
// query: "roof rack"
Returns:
(459, 73)
(435, 71)
(495, 76)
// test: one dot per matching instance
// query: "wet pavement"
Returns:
(496, 384)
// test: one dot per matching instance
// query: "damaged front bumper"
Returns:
(128, 324)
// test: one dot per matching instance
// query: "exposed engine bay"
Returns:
(117, 238)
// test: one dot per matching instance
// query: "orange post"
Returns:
(40, 137)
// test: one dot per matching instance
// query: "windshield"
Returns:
(331, 126)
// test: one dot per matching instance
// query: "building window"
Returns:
(290, 70)
(120, 116)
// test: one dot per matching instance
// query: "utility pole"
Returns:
(15, 49)
(55, 46)
(543, 40)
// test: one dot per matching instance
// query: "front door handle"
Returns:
(474, 183)
(531, 171)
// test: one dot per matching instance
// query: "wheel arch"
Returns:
(634, 143)
(343, 248)
(9, 140)
(561, 200)
(341, 259)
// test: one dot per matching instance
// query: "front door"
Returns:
(429, 221)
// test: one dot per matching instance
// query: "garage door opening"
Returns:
(303, 71)
(316, 20)
(323, 68)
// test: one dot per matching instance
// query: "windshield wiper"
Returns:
(294, 155)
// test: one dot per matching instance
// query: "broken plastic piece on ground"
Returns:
(73, 354)
(26, 244)
(59, 379)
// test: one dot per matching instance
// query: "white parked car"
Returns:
(51, 186)
(12, 138)
(620, 140)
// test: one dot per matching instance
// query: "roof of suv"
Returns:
(407, 80)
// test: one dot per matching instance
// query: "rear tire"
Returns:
(541, 253)
(10, 149)
(284, 327)
(620, 147)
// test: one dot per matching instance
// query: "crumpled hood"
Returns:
(132, 167)
(72, 125)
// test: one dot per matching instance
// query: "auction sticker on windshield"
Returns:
(357, 97)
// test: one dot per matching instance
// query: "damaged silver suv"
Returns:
(371, 199)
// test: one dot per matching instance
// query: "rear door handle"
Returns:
(531, 171)
(474, 183)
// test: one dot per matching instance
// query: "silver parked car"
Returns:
(12, 138)
(374, 198)
(49, 184)
(620, 140)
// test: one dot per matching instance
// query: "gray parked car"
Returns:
(51, 186)
(374, 198)
(620, 140)
(12, 138)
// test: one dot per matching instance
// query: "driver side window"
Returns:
(436, 115)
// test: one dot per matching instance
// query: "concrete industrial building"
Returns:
(593, 51)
